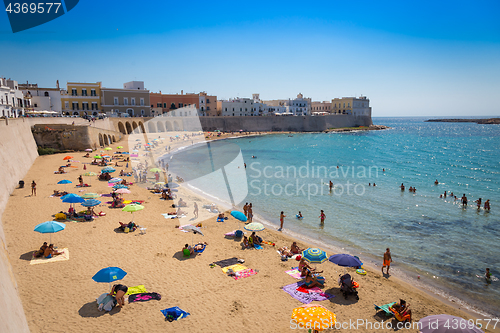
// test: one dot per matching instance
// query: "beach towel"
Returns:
(235, 268)
(385, 308)
(226, 262)
(305, 298)
(230, 234)
(295, 273)
(174, 217)
(133, 201)
(144, 297)
(257, 247)
(244, 273)
(200, 251)
(136, 290)
(61, 257)
(174, 313)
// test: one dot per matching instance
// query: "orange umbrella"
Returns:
(314, 317)
(67, 158)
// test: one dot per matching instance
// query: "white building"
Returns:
(12, 101)
(352, 105)
(43, 99)
(237, 107)
(262, 109)
(299, 106)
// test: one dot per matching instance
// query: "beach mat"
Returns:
(235, 268)
(245, 273)
(62, 257)
(175, 313)
(385, 308)
(226, 262)
(136, 290)
(306, 298)
(295, 273)
(201, 251)
(257, 247)
(144, 297)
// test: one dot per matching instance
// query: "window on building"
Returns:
(66, 105)
(208, 108)
(201, 108)
(75, 105)
(142, 102)
(92, 92)
(181, 105)
(84, 92)
(164, 105)
(36, 105)
(73, 92)
(132, 101)
(115, 100)
(208, 100)
(125, 100)
(94, 106)
(46, 94)
(142, 112)
(241, 109)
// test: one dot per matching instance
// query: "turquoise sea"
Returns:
(431, 237)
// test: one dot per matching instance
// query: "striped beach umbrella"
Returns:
(115, 180)
(90, 203)
(90, 195)
(314, 255)
(254, 226)
(108, 169)
(118, 186)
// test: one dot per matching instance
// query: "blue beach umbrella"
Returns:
(72, 198)
(90, 203)
(314, 255)
(50, 227)
(108, 170)
(345, 260)
(64, 181)
(115, 180)
(109, 274)
(238, 215)
(118, 186)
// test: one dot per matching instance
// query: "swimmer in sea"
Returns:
(445, 194)
(299, 215)
(369, 184)
(374, 184)
(487, 275)
(410, 189)
(464, 201)
(383, 170)
(487, 204)
(436, 182)
(478, 201)
(402, 187)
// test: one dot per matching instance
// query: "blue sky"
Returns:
(423, 58)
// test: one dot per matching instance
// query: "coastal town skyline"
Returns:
(409, 60)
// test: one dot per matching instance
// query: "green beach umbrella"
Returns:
(90, 195)
(98, 157)
(132, 208)
(90, 174)
(108, 148)
(119, 147)
(155, 170)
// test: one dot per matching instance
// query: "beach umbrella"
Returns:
(135, 151)
(108, 148)
(155, 170)
(50, 227)
(119, 147)
(254, 226)
(109, 275)
(132, 208)
(90, 195)
(126, 152)
(72, 198)
(239, 215)
(314, 255)
(194, 230)
(123, 191)
(118, 186)
(90, 203)
(314, 317)
(97, 157)
(65, 181)
(115, 180)
(108, 170)
(345, 260)
(88, 149)
(444, 323)
(90, 174)
(138, 140)
(67, 158)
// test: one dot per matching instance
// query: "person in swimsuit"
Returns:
(41, 252)
(387, 260)
(331, 185)
(322, 216)
(487, 204)
(299, 215)
(295, 249)
(436, 182)
(464, 201)
(195, 212)
(33, 188)
(119, 291)
(478, 201)
(312, 281)
(50, 252)
(402, 187)
(245, 209)
(282, 220)
(250, 213)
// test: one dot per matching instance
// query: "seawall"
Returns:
(18, 152)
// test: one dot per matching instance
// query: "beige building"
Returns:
(321, 107)
(81, 99)
(131, 101)
(352, 105)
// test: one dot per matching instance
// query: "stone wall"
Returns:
(18, 152)
(69, 137)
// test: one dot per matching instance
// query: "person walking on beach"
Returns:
(250, 213)
(33, 188)
(322, 216)
(195, 210)
(387, 261)
(282, 220)
(464, 201)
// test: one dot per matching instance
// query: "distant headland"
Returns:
(478, 121)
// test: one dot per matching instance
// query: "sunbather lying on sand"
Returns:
(284, 251)
(59, 193)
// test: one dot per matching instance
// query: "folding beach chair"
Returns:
(385, 308)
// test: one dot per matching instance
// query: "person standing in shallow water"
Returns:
(322, 217)
(387, 260)
(464, 201)
(282, 220)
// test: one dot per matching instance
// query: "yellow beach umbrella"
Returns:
(314, 317)
(108, 148)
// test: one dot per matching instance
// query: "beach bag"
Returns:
(238, 233)
(106, 302)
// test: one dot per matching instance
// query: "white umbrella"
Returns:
(194, 230)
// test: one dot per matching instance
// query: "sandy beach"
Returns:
(61, 296)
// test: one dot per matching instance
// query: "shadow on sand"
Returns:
(90, 310)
